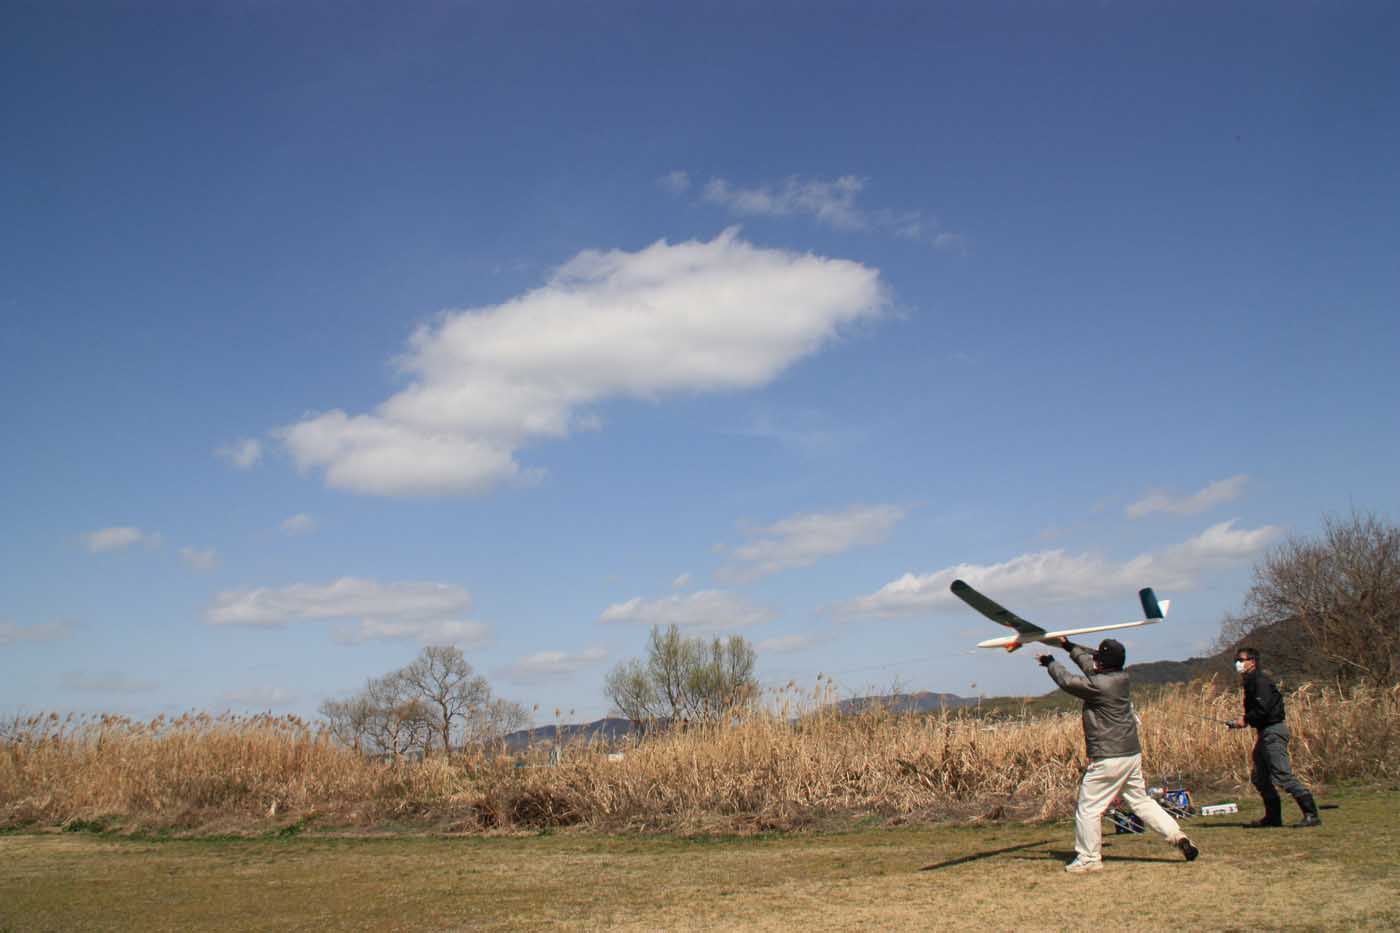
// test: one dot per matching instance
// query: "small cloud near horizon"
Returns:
(242, 454)
(1216, 493)
(298, 524)
(119, 538)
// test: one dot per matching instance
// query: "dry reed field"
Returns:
(794, 765)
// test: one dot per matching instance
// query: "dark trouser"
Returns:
(1271, 766)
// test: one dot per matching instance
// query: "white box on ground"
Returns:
(1219, 809)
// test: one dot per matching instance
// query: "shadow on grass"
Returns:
(1063, 855)
(964, 859)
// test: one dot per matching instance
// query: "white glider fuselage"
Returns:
(1027, 633)
(1012, 642)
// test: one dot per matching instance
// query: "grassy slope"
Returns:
(944, 877)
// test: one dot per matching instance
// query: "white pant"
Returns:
(1106, 779)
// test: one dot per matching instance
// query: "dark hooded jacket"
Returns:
(1110, 727)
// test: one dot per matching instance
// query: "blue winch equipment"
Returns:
(1176, 801)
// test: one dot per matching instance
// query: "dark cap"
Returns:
(1110, 655)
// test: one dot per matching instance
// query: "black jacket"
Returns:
(1110, 727)
(1263, 704)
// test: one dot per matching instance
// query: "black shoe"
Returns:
(1187, 849)
(1264, 823)
(1309, 819)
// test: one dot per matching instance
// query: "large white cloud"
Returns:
(709, 610)
(1216, 493)
(431, 613)
(1059, 576)
(697, 316)
(804, 539)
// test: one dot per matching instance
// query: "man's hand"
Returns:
(1064, 643)
(1238, 723)
(1044, 660)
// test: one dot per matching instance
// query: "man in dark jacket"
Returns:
(1115, 755)
(1263, 709)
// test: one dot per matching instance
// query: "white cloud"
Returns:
(1216, 493)
(1058, 576)
(544, 665)
(260, 697)
(833, 203)
(708, 610)
(12, 634)
(441, 632)
(119, 539)
(711, 316)
(786, 644)
(677, 182)
(242, 454)
(430, 613)
(107, 682)
(804, 539)
(206, 559)
(681, 582)
(298, 524)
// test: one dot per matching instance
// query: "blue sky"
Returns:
(332, 331)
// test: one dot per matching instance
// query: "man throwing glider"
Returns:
(1115, 755)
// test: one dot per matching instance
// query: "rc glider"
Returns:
(1027, 633)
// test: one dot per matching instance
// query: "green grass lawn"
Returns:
(1345, 875)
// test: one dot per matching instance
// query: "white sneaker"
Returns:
(1081, 867)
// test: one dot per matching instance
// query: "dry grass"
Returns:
(781, 769)
(1007, 876)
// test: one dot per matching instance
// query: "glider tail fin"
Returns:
(1151, 608)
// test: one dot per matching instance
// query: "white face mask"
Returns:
(1239, 667)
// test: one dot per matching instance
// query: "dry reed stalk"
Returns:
(791, 764)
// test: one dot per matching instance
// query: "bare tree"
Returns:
(446, 684)
(399, 722)
(630, 690)
(348, 719)
(490, 723)
(684, 678)
(721, 678)
(1342, 591)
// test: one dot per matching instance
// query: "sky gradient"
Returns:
(332, 331)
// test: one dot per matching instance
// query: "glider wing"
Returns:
(995, 611)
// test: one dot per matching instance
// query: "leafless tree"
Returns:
(448, 686)
(434, 701)
(399, 722)
(348, 719)
(684, 678)
(1342, 591)
(631, 692)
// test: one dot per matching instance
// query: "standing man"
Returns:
(1115, 755)
(1263, 709)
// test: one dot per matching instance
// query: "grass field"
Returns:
(1345, 875)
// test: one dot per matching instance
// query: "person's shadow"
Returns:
(964, 859)
(1063, 855)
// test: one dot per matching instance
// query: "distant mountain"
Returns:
(606, 730)
(922, 702)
